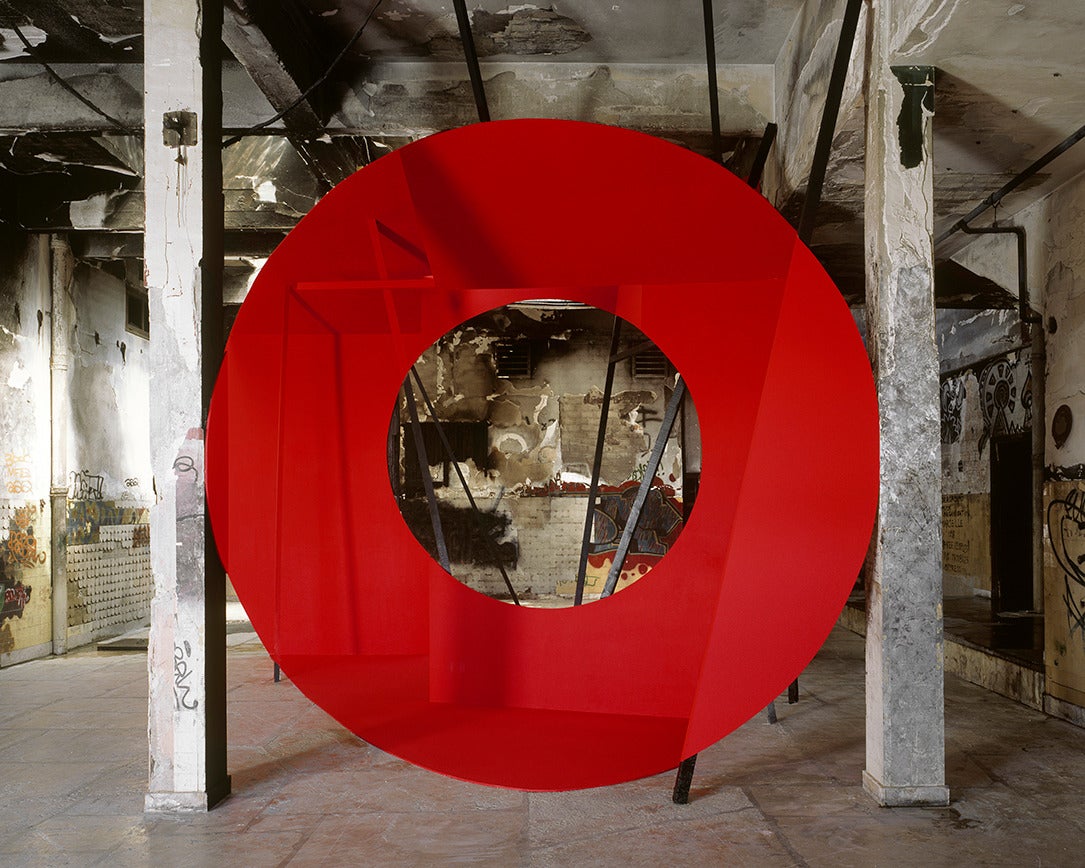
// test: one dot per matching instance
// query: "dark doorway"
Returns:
(1011, 523)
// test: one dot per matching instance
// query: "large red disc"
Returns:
(351, 605)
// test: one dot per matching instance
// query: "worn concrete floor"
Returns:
(73, 772)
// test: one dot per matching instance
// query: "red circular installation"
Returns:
(356, 612)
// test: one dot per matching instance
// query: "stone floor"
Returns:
(73, 772)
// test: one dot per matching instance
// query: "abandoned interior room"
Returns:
(544, 451)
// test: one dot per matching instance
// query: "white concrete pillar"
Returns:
(183, 268)
(61, 319)
(905, 725)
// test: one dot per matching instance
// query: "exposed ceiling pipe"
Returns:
(471, 56)
(828, 119)
(1028, 315)
(1011, 185)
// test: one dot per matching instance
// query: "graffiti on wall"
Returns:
(16, 596)
(17, 473)
(86, 485)
(22, 545)
(1005, 397)
(181, 673)
(1066, 525)
(657, 530)
(952, 400)
(86, 518)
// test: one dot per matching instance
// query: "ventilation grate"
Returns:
(513, 358)
(650, 363)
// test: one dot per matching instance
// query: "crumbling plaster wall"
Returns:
(26, 614)
(541, 436)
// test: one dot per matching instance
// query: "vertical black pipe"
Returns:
(684, 780)
(762, 156)
(713, 91)
(471, 57)
(597, 463)
(828, 119)
(427, 480)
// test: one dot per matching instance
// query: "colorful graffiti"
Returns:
(17, 471)
(1066, 526)
(16, 598)
(659, 527)
(21, 543)
(86, 518)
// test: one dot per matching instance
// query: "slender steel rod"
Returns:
(713, 88)
(427, 480)
(762, 156)
(1024, 305)
(828, 119)
(490, 544)
(1014, 182)
(645, 486)
(471, 56)
(597, 464)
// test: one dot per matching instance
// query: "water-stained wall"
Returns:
(26, 613)
(109, 487)
(530, 471)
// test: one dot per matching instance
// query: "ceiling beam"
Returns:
(277, 47)
(413, 99)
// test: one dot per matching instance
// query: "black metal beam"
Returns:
(684, 780)
(597, 463)
(471, 56)
(762, 156)
(490, 544)
(1014, 182)
(828, 119)
(713, 88)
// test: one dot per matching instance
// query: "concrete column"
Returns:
(183, 267)
(60, 319)
(905, 726)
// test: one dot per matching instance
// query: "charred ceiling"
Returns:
(311, 94)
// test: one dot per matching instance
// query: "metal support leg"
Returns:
(684, 781)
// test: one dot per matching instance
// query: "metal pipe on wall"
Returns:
(61, 268)
(1032, 333)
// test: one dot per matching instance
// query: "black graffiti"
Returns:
(186, 464)
(86, 486)
(181, 673)
(463, 538)
(952, 401)
(1066, 526)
